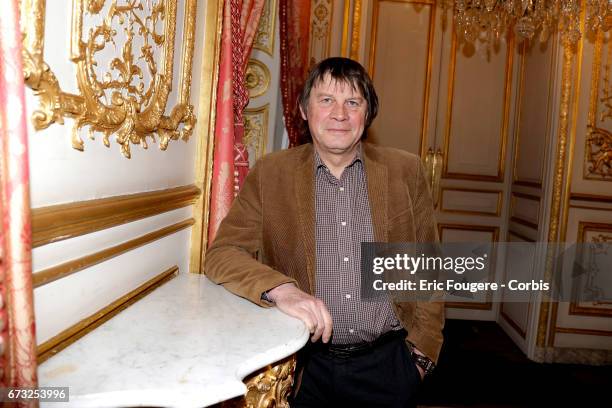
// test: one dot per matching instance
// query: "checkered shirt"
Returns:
(344, 220)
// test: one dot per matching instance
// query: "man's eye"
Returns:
(326, 100)
(353, 103)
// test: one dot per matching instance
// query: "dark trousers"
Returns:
(384, 377)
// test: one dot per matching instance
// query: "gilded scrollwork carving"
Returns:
(124, 55)
(598, 148)
(264, 38)
(256, 131)
(599, 152)
(320, 23)
(272, 387)
(257, 78)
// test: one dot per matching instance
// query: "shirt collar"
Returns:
(318, 162)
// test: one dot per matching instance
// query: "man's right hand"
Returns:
(312, 311)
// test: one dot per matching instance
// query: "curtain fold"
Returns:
(294, 17)
(231, 161)
(19, 338)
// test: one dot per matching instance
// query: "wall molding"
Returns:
(591, 197)
(521, 332)
(587, 332)
(68, 268)
(62, 340)
(63, 221)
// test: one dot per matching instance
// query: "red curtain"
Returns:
(294, 16)
(231, 162)
(19, 338)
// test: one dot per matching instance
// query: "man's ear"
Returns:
(303, 113)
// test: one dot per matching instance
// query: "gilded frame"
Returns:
(125, 117)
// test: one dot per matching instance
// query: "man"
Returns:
(292, 239)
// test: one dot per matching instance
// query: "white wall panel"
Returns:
(67, 301)
(58, 252)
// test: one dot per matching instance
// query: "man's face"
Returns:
(336, 116)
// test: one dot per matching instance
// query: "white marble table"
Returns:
(189, 343)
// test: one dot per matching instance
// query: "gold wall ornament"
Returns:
(320, 23)
(124, 95)
(598, 141)
(321, 15)
(272, 387)
(257, 78)
(264, 37)
(256, 131)
(599, 153)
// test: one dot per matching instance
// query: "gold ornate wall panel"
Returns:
(124, 54)
(321, 15)
(598, 143)
(264, 38)
(595, 233)
(257, 78)
(256, 131)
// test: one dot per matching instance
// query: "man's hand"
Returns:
(312, 311)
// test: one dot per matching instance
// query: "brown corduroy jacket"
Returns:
(268, 236)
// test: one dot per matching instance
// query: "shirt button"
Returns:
(343, 223)
(346, 259)
(341, 188)
(348, 296)
(351, 331)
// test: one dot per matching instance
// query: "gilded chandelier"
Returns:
(529, 17)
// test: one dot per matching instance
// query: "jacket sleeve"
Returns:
(231, 260)
(425, 331)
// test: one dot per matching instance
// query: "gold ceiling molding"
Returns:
(598, 149)
(68, 268)
(264, 37)
(257, 78)
(124, 96)
(63, 221)
(62, 340)
(256, 130)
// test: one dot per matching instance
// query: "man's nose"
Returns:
(339, 112)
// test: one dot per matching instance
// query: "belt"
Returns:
(355, 349)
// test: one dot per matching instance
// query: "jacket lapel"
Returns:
(378, 186)
(305, 199)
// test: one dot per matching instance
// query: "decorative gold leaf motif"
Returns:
(264, 38)
(320, 29)
(257, 78)
(599, 152)
(598, 149)
(256, 131)
(126, 98)
(320, 24)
